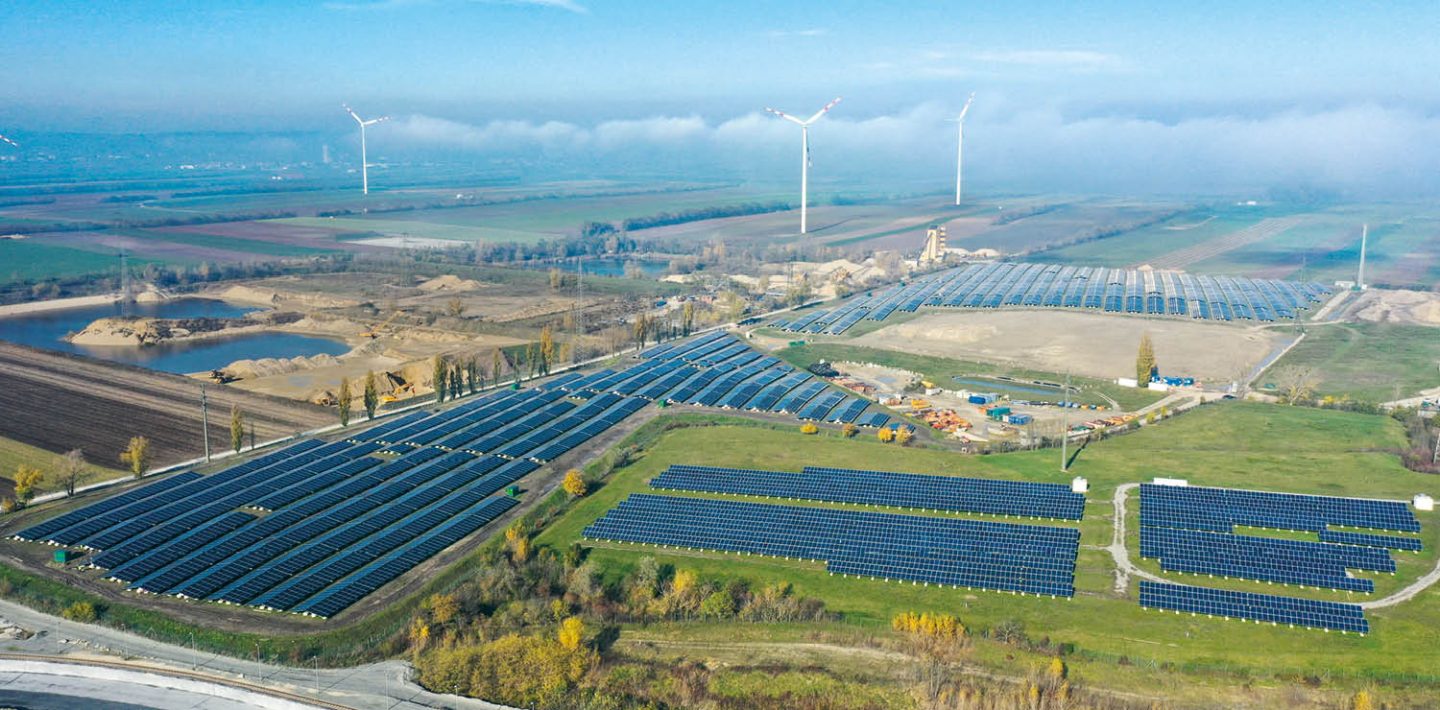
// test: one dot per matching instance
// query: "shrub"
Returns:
(809, 428)
(83, 612)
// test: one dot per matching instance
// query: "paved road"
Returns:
(375, 686)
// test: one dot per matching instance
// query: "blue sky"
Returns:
(458, 70)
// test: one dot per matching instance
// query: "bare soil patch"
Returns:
(60, 402)
(1378, 305)
(1089, 344)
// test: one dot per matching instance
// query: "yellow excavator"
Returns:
(379, 330)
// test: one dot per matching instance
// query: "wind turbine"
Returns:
(3, 139)
(960, 144)
(804, 154)
(364, 164)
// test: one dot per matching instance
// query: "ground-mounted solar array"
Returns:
(882, 488)
(1220, 509)
(1263, 608)
(314, 527)
(1191, 529)
(719, 370)
(952, 552)
(1135, 291)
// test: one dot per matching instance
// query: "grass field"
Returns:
(14, 454)
(1233, 444)
(940, 371)
(1373, 362)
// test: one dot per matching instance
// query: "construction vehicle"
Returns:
(378, 330)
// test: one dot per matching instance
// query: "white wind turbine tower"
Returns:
(364, 163)
(960, 144)
(804, 155)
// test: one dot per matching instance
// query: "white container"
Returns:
(1171, 482)
(1423, 502)
(1079, 485)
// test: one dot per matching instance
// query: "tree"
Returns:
(137, 455)
(472, 375)
(27, 479)
(455, 307)
(531, 359)
(849, 430)
(1145, 366)
(574, 483)
(886, 434)
(343, 400)
(457, 382)
(547, 350)
(83, 612)
(903, 435)
(237, 428)
(441, 368)
(687, 317)
(557, 279)
(640, 329)
(69, 470)
(572, 633)
(372, 395)
(809, 428)
(497, 365)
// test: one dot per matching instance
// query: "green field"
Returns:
(1372, 362)
(940, 371)
(415, 228)
(1233, 444)
(14, 454)
(27, 260)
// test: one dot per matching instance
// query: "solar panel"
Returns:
(1262, 608)
(948, 551)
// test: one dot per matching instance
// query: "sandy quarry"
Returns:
(1085, 343)
(1378, 305)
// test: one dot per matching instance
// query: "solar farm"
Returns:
(973, 554)
(315, 527)
(1129, 291)
(1191, 530)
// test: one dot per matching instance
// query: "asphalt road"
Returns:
(375, 686)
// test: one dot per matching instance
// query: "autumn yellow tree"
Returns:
(519, 542)
(809, 428)
(27, 480)
(547, 350)
(903, 435)
(886, 434)
(572, 633)
(343, 399)
(849, 430)
(137, 455)
(574, 483)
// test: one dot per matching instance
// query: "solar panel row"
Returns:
(1220, 509)
(1262, 608)
(963, 553)
(997, 284)
(1392, 542)
(1310, 564)
(882, 488)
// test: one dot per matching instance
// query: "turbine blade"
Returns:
(353, 115)
(823, 111)
(374, 121)
(785, 116)
(7, 140)
(966, 109)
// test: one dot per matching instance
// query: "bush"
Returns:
(83, 612)
(809, 428)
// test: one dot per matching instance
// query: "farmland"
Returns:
(14, 454)
(62, 402)
(1245, 445)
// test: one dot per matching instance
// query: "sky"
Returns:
(1102, 96)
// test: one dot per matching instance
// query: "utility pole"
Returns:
(205, 422)
(1435, 454)
(1065, 426)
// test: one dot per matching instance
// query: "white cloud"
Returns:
(808, 32)
(1366, 149)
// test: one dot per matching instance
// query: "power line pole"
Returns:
(205, 422)
(1065, 426)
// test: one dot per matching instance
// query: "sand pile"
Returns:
(265, 367)
(1398, 306)
(274, 297)
(449, 283)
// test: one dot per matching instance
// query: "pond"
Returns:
(49, 328)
